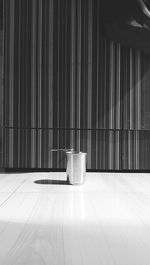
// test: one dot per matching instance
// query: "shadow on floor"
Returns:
(50, 182)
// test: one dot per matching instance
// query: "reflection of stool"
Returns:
(76, 166)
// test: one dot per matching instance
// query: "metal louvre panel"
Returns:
(67, 86)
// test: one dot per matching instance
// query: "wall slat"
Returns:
(66, 86)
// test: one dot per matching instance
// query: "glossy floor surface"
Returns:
(104, 222)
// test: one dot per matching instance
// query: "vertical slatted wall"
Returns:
(1, 80)
(66, 86)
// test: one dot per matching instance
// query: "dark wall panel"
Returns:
(67, 86)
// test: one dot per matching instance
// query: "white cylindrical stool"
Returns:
(76, 167)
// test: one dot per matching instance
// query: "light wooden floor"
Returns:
(104, 222)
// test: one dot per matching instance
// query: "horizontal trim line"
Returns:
(72, 129)
(13, 170)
